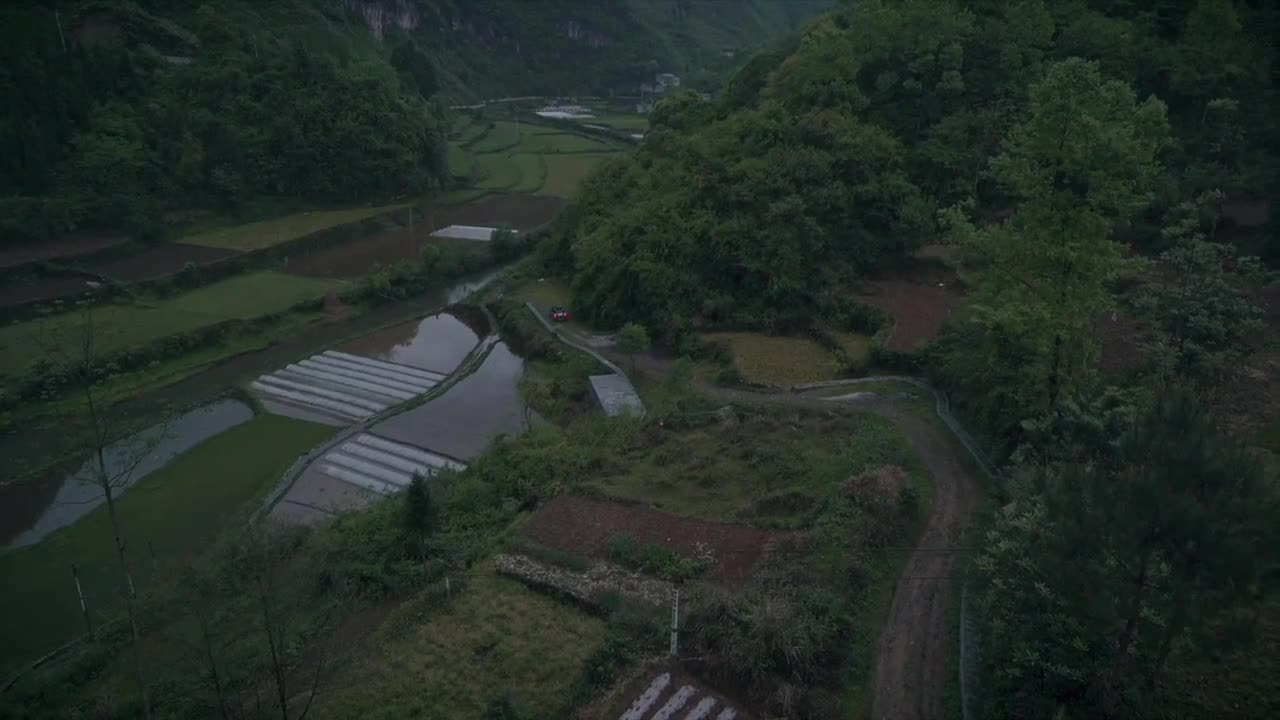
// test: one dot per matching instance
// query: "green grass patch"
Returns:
(257, 235)
(778, 360)
(856, 347)
(533, 172)
(461, 164)
(499, 637)
(176, 510)
(497, 172)
(771, 470)
(502, 136)
(566, 172)
(560, 143)
(119, 327)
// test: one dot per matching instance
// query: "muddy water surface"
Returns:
(465, 421)
(31, 510)
(439, 343)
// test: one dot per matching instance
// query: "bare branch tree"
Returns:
(78, 350)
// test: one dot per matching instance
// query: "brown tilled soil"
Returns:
(585, 527)
(64, 247)
(36, 289)
(358, 257)
(159, 261)
(522, 212)
(918, 309)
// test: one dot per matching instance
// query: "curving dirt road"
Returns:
(911, 658)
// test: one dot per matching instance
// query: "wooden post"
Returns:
(84, 609)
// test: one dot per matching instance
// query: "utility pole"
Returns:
(675, 622)
(84, 610)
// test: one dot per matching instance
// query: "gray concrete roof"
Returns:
(616, 395)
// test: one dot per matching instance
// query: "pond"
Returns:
(31, 510)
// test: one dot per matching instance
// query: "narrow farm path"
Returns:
(911, 658)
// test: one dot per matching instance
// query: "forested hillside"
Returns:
(831, 157)
(1083, 165)
(119, 112)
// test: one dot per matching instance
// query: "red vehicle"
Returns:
(559, 314)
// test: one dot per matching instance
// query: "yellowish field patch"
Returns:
(777, 360)
(498, 637)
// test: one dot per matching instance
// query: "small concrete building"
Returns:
(616, 395)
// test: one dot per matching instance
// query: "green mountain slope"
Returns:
(117, 111)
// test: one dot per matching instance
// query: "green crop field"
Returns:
(118, 327)
(460, 161)
(503, 135)
(499, 636)
(497, 172)
(266, 233)
(174, 511)
(566, 172)
(533, 172)
(560, 143)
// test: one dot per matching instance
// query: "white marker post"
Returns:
(675, 622)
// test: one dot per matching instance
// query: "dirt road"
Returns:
(911, 661)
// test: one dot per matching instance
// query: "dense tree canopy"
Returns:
(826, 158)
(114, 132)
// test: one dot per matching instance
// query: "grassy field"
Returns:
(498, 637)
(118, 327)
(764, 470)
(175, 510)
(532, 170)
(560, 143)
(502, 136)
(774, 360)
(566, 172)
(256, 235)
(525, 158)
(461, 163)
(856, 347)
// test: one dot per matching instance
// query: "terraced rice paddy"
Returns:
(118, 327)
(354, 474)
(340, 388)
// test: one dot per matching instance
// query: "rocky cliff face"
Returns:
(382, 14)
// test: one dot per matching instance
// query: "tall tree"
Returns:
(1118, 562)
(1204, 322)
(1082, 159)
